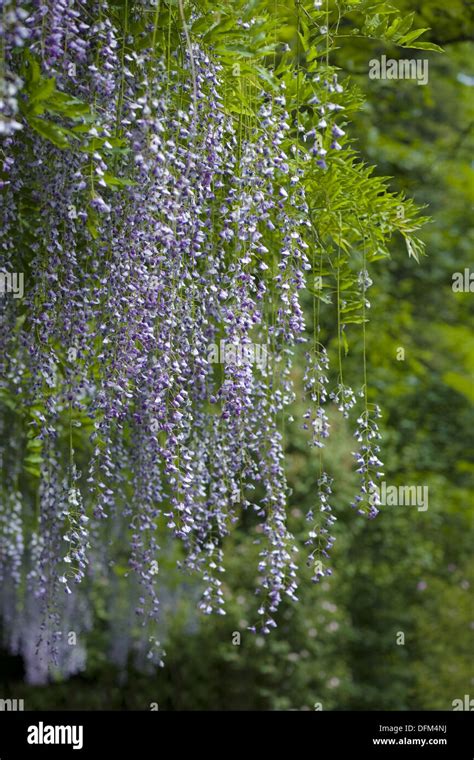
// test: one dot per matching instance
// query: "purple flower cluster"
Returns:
(316, 382)
(167, 229)
(368, 462)
(319, 537)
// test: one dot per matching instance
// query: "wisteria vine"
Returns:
(154, 226)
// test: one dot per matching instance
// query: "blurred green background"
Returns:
(408, 572)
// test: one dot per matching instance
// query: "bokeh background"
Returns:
(408, 572)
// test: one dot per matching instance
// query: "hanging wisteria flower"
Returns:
(315, 382)
(344, 398)
(368, 462)
(320, 536)
(155, 221)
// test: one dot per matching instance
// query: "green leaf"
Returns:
(427, 46)
(345, 342)
(32, 470)
(34, 444)
(49, 131)
(66, 105)
(43, 90)
(32, 459)
(406, 24)
(31, 70)
(415, 247)
(112, 181)
(232, 50)
(411, 37)
(92, 219)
